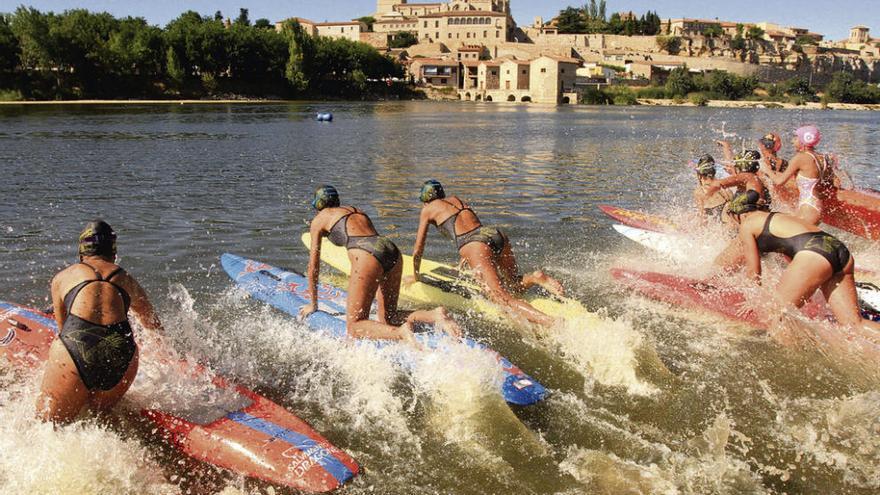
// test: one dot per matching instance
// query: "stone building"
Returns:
(485, 28)
(443, 73)
(350, 30)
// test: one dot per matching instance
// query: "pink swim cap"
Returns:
(809, 135)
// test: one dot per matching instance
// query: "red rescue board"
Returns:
(239, 430)
(639, 220)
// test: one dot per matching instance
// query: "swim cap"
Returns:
(705, 166)
(325, 197)
(809, 136)
(97, 239)
(431, 190)
(772, 142)
(747, 161)
(745, 202)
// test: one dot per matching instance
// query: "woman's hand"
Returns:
(307, 310)
(410, 279)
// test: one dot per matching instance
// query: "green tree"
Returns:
(368, 20)
(669, 44)
(570, 21)
(713, 31)
(845, 88)
(175, 69)
(243, 18)
(263, 23)
(403, 39)
(301, 53)
(31, 28)
(754, 33)
(9, 47)
(799, 86)
(680, 82)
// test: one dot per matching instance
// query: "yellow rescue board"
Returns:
(446, 286)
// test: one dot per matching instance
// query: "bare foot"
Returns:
(408, 337)
(448, 324)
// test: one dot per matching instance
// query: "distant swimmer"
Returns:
(95, 359)
(485, 249)
(814, 174)
(710, 206)
(818, 259)
(376, 272)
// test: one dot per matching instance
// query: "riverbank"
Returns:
(145, 102)
(760, 104)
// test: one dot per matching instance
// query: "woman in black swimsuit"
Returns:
(376, 266)
(95, 358)
(485, 249)
(818, 259)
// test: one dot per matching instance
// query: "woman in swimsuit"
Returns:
(818, 259)
(769, 146)
(376, 270)
(485, 249)
(713, 206)
(815, 177)
(744, 179)
(95, 358)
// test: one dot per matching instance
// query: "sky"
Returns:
(832, 18)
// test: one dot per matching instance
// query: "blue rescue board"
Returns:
(288, 292)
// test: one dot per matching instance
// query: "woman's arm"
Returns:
(421, 240)
(57, 301)
(732, 181)
(780, 178)
(752, 254)
(314, 270)
(728, 152)
(141, 307)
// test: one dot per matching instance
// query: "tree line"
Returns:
(81, 54)
(592, 19)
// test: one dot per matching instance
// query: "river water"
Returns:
(646, 399)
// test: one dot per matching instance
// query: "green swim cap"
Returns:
(745, 202)
(747, 161)
(431, 190)
(97, 239)
(705, 166)
(325, 197)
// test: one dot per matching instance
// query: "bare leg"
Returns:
(438, 317)
(366, 274)
(479, 257)
(102, 401)
(509, 271)
(62, 392)
(807, 272)
(840, 292)
(389, 292)
(732, 257)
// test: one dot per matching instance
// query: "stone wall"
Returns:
(378, 41)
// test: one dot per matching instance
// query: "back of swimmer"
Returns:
(95, 358)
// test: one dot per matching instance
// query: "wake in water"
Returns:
(428, 407)
(81, 458)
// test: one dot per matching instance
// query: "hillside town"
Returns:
(475, 50)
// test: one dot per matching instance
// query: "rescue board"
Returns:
(640, 220)
(232, 427)
(682, 249)
(728, 302)
(288, 292)
(445, 285)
